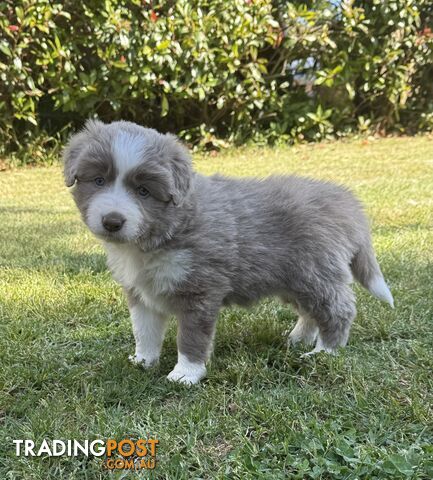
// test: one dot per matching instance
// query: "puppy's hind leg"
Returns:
(305, 331)
(306, 328)
(334, 315)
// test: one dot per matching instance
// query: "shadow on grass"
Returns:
(250, 351)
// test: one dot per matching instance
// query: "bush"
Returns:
(207, 69)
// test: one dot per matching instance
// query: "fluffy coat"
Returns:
(184, 244)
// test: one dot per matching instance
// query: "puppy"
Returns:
(184, 244)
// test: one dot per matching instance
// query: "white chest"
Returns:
(152, 275)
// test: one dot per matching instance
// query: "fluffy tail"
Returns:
(367, 271)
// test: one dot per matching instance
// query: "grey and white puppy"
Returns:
(184, 244)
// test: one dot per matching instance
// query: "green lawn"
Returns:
(262, 412)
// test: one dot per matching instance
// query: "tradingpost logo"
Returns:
(140, 454)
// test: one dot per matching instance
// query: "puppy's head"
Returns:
(128, 180)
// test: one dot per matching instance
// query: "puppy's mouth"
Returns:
(119, 236)
(113, 237)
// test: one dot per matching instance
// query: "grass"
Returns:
(263, 412)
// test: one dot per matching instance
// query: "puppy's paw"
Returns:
(307, 338)
(187, 372)
(185, 378)
(314, 352)
(305, 331)
(319, 348)
(141, 361)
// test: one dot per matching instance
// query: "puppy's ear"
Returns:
(76, 145)
(181, 169)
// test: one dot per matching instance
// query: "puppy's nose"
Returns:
(113, 221)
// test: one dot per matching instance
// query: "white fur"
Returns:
(305, 331)
(149, 328)
(125, 262)
(318, 348)
(379, 289)
(150, 275)
(127, 150)
(115, 199)
(167, 269)
(187, 372)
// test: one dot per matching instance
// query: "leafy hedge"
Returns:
(207, 69)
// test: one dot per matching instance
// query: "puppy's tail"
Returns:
(367, 271)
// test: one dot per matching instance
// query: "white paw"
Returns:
(142, 361)
(315, 351)
(306, 338)
(319, 348)
(305, 331)
(185, 377)
(187, 372)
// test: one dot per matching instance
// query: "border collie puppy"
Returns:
(184, 244)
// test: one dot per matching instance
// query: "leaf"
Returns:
(119, 64)
(31, 83)
(5, 49)
(310, 38)
(124, 40)
(163, 45)
(17, 63)
(67, 15)
(350, 90)
(164, 105)
(57, 42)
(20, 14)
(220, 103)
(201, 93)
(336, 70)
(32, 120)
(401, 464)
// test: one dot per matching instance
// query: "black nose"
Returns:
(113, 221)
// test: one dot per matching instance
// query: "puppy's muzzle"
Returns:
(113, 221)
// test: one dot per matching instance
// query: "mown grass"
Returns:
(263, 412)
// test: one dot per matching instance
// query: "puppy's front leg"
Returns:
(149, 329)
(194, 344)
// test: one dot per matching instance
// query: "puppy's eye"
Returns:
(143, 191)
(99, 181)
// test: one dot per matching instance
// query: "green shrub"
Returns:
(207, 69)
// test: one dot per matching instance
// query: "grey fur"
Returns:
(298, 238)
